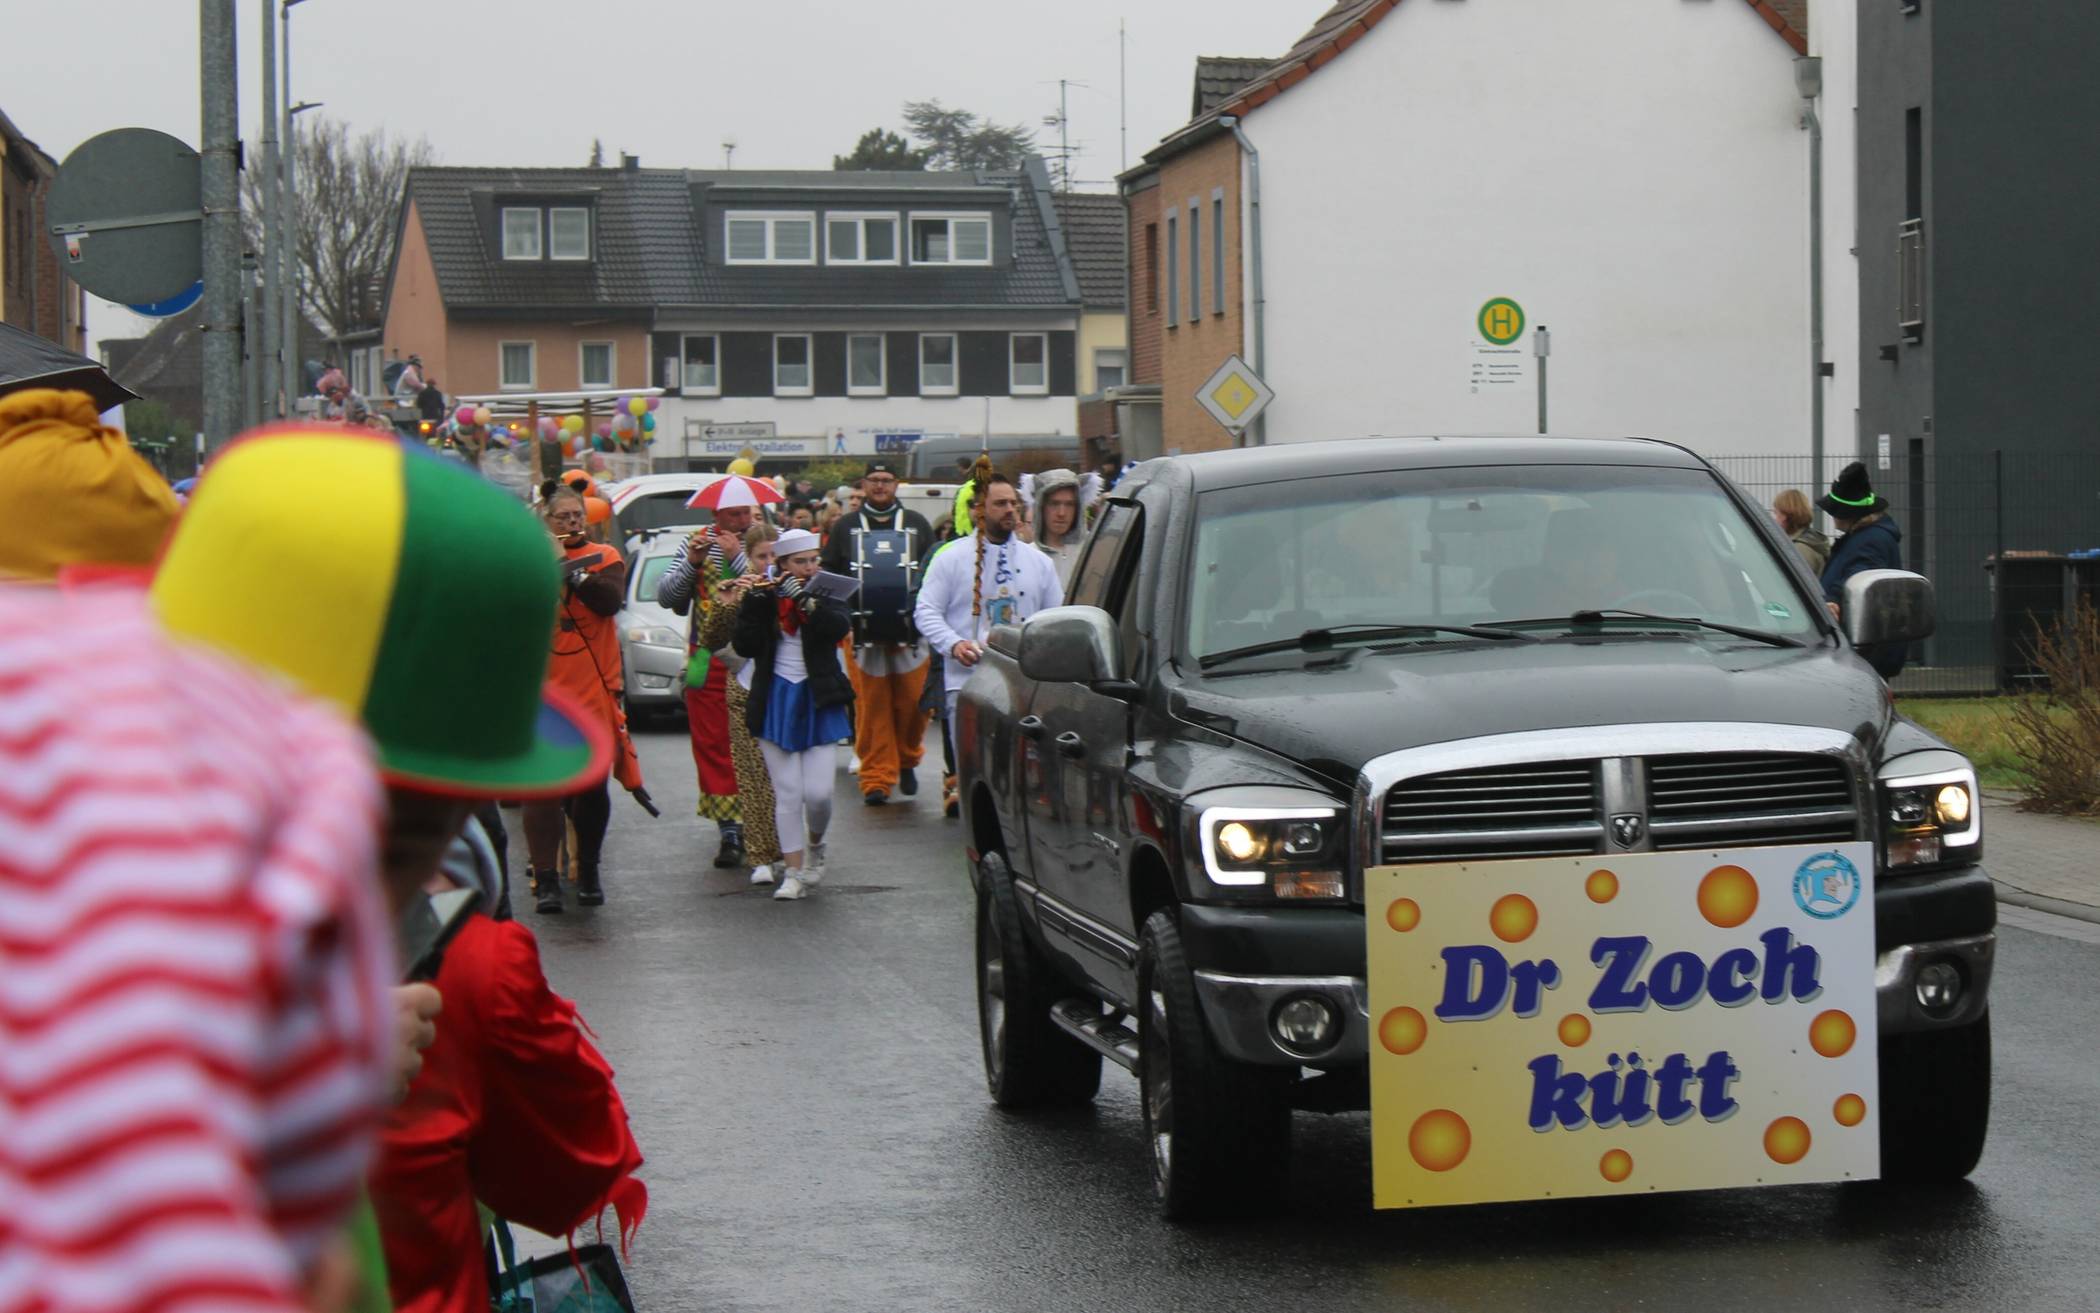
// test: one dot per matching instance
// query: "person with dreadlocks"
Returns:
(987, 577)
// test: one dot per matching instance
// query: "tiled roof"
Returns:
(1348, 21)
(1097, 235)
(1219, 76)
(650, 251)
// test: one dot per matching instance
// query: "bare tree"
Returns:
(350, 193)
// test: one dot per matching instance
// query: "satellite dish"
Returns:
(127, 216)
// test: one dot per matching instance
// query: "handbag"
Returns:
(587, 1279)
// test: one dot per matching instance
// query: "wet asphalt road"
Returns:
(805, 1081)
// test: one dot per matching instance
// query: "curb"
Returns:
(2042, 903)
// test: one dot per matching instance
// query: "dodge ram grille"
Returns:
(1748, 800)
(1564, 808)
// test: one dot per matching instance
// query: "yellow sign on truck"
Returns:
(1610, 1025)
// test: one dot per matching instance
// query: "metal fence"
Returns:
(1991, 530)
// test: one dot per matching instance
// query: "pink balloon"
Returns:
(465, 414)
(548, 428)
(654, 402)
(605, 428)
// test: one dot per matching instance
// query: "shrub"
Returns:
(2057, 730)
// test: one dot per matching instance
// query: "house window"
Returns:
(1217, 252)
(864, 373)
(1111, 366)
(951, 239)
(937, 365)
(860, 239)
(1173, 268)
(521, 233)
(791, 365)
(1195, 262)
(595, 370)
(360, 373)
(1030, 360)
(1152, 267)
(518, 365)
(755, 238)
(569, 233)
(701, 364)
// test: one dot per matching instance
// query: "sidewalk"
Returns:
(2049, 863)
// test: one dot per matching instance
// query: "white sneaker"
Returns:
(853, 766)
(813, 864)
(761, 875)
(790, 888)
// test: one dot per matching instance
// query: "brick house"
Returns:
(35, 293)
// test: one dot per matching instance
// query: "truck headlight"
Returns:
(1289, 852)
(1929, 820)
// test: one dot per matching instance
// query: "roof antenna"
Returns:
(728, 152)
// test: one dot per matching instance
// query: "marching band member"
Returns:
(754, 787)
(800, 700)
(987, 577)
(888, 676)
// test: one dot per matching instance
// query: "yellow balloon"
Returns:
(637, 406)
(743, 467)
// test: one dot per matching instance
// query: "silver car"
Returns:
(652, 637)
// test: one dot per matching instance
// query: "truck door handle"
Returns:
(1069, 744)
(1031, 727)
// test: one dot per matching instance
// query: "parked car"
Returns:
(656, 501)
(1014, 454)
(1290, 675)
(652, 637)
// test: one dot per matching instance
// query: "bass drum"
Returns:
(886, 561)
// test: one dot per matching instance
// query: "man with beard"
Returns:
(889, 674)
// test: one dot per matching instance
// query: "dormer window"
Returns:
(951, 238)
(860, 238)
(569, 233)
(521, 232)
(767, 238)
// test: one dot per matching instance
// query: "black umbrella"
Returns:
(28, 361)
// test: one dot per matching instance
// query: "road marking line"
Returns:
(2048, 923)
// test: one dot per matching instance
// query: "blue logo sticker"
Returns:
(1826, 886)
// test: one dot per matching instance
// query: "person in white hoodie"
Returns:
(987, 577)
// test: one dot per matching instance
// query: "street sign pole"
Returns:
(273, 223)
(1542, 347)
(288, 202)
(218, 67)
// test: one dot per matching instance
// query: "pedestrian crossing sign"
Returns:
(1235, 395)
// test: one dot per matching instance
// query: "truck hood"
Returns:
(1332, 718)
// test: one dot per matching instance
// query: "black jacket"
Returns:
(758, 633)
(838, 546)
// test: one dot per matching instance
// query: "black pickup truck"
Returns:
(1282, 667)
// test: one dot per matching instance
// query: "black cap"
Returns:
(888, 467)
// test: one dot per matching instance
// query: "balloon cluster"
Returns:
(632, 426)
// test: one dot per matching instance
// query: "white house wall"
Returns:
(858, 419)
(1834, 35)
(1632, 172)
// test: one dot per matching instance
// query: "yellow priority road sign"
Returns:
(1501, 321)
(1234, 395)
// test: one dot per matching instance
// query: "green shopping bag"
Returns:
(586, 1279)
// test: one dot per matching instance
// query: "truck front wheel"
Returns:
(1028, 1061)
(1219, 1131)
(1935, 1102)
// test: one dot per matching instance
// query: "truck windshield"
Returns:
(1481, 546)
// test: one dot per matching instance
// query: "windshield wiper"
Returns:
(1321, 640)
(1599, 615)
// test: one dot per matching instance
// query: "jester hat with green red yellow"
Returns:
(400, 586)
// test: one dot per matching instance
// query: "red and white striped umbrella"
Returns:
(733, 490)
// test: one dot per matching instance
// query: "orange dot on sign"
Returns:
(1574, 1030)
(1440, 1140)
(1615, 1166)
(1831, 1033)
(1786, 1140)
(1402, 1030)
(1602, 886)
(1404, 914)
(1850, 1110)
(1728, 896)
(1513, 918)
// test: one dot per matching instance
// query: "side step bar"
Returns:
(1083, 1020)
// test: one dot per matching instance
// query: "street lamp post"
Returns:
(272, 354)
(288, 204)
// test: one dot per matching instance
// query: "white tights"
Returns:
(802, 781)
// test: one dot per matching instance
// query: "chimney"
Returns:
(629, 163)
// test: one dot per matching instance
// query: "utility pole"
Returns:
(1123, 89)
(221, 192)
(273, 326)
(1542, 347)
(288, 204)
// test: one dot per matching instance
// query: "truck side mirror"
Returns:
(1887, 606)
(1070, 645)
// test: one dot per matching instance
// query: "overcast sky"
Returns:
(531, 82)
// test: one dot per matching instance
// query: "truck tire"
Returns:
(1219, 1131)
(1028, 1061)
(1935, 1103)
